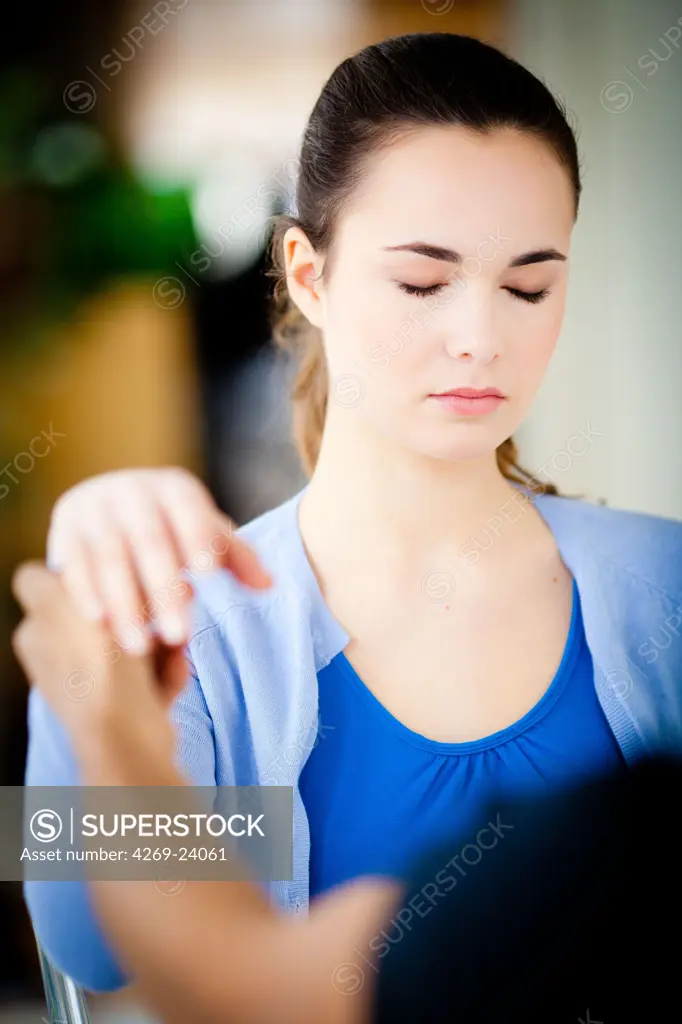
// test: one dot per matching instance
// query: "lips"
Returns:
(470, 401)
(471, 393)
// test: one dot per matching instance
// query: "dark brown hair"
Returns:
(369, 101)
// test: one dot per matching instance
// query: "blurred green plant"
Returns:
(73, 215)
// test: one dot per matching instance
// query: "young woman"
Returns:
(432, 626)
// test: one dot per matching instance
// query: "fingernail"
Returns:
(173, 630)
(136, 641)
(140, 645)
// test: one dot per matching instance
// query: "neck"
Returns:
(370, 497)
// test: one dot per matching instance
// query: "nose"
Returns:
(470, 332)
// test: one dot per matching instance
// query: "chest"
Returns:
(455, 667)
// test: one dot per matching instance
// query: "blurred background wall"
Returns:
(618, 66)
(144, 147)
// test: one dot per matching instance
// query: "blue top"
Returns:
(378, 795)
(249, 713)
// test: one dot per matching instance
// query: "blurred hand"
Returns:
(122, 539)
(126, 699)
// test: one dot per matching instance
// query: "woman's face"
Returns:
(401, 325)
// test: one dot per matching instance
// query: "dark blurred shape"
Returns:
(251, 463)
(572, 917)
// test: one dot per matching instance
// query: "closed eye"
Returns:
(517, 293)
(414, 289)
(529, 296)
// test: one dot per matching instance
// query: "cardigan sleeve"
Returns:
(61, 912)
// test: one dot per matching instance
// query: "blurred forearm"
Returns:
(219, 950)
(196, 955)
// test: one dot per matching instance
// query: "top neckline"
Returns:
(542, 706)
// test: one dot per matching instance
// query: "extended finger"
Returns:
(117, 582)
(77, 567)
(202, 529)
(243, 561)
(158, 565)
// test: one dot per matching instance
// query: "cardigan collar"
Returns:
(600, 586)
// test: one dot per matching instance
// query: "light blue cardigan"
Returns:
(249, 714)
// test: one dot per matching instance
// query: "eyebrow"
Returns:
(438, 252)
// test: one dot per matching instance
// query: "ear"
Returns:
(303, 265)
